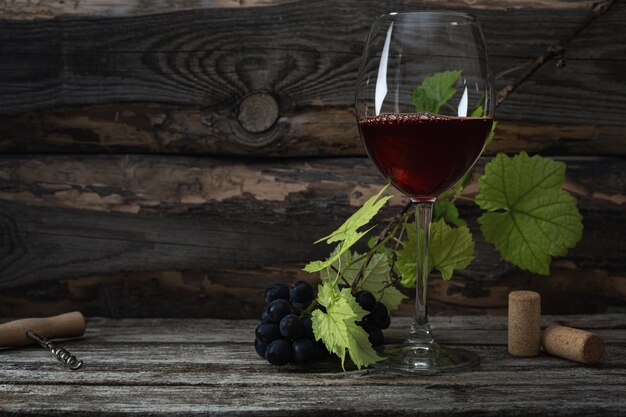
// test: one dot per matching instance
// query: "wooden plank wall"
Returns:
(174, 158)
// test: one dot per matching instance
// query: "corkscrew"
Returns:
(38, 330)
(63, 355)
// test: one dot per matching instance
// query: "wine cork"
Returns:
(524, 323)
(573, 344)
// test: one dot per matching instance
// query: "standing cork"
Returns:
(524, 323)
(573, 344)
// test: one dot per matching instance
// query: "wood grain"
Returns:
(48, 9)
(192, 367)
(325, 131)
(191, 65)
(179, 236)
(179, 185)
(237, 293)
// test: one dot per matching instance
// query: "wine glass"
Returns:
(424, 107)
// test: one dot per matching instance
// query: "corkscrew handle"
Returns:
(63, 355)
(14, 332)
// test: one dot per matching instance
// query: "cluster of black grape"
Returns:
(283, 335)
(376, 321)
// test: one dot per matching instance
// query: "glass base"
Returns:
(425, 358)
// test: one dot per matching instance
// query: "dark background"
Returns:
(175, 158)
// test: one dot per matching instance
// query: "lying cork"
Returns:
(573, 344)
(524, 323)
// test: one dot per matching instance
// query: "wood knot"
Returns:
(258, 112)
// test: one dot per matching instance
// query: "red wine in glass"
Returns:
(422, 154)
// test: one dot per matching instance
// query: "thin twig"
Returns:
(508, 71)
(392, 223)
(553, 50)
(342, 277)
(368, 257)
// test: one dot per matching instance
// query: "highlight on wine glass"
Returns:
(424, 106)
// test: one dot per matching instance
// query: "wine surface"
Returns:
(423, 154)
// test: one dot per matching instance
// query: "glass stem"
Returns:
(420, 331)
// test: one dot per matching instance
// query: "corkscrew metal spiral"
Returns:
(63, 355)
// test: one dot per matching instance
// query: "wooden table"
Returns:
(190, 367)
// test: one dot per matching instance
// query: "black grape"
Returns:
(260, 348)
(302, 306)
(321, 351)
(379, 317)
(278, 352)
(301, 292)
(267, 332)
(376, 336)
(283, 336)
(307, 325)
(303, 351)
(385, 323)
(278, 309)
(265, 317)
(276, 292)
(366, 300)
(291, 326)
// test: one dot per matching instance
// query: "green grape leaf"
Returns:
(449, 249)
(423, 102)
(492, 132)
(337, 327)
(446, 210)
(435, 91)
(382, 249)
(377, 280)
(343, 247)
(376, 277)
(478, 111)
(348, 233)
(360, 218)
(360, 348)
(529, 218)
(326, 293)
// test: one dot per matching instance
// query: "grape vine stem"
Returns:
(392, 224)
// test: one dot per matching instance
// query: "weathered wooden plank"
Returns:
(326, 131)
(177, 185)
(237, 293)
(173, 330)
(133, 330)
(48, 9)
(192, 64)
(238, 363)
(90, 232)
(164, 367)
(373, 400)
